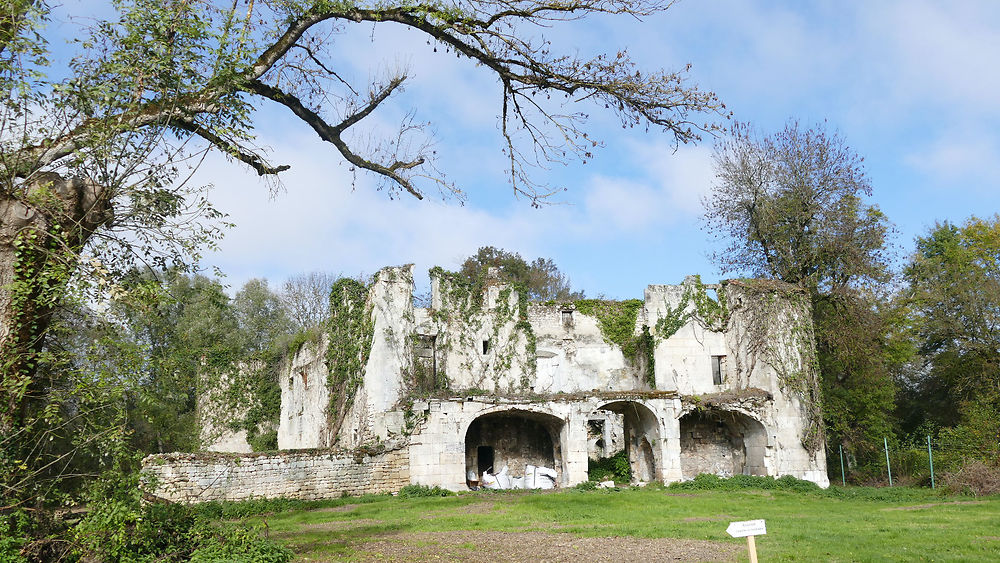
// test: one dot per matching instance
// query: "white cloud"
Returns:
(959, 158)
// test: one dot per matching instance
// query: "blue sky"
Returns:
(911, 85)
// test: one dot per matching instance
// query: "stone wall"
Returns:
(202, 477)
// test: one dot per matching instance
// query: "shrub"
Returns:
(14, 534)
(412, 491)
(975, 477)
(709, 482)
(615, 468)
(235, 544)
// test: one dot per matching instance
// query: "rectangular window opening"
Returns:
(486, 346)
(718, 366)
(567, 318)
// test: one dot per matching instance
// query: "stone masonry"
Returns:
(202, 477)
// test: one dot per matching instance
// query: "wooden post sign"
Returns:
(748, 529)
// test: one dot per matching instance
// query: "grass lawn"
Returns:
(853, 524)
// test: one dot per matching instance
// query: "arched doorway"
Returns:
(513, 438)
(721, 442)
(642, 436)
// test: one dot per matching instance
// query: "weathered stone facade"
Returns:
(701, 378)
(202, 477)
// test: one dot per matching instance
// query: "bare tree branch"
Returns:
(332, 133)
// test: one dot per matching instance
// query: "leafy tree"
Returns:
(88, 158)
(954, 291)
(186, 328)
(541, 279)
(791, 206)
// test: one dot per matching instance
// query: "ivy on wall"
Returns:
(776, 327)
(696, 304)
(351, 332)
(463, 307)
(617, 320)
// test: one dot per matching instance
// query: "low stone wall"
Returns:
(307, 475)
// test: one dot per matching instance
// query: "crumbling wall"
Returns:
(305, 395)
(574, 356)
(480, 339)
(386, 373)
(201, 477)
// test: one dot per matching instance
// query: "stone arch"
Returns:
(515, 438)
(721, 442)
(642, 438)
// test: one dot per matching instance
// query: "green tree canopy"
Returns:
(541, 279)
(954, 292)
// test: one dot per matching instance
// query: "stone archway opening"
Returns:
(514, 439)
(721, 442)
(641, 431)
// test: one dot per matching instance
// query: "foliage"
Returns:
(954, 293)
(617, 321)
(351, 331)
(710, 482)
(540, 279)
(463, 307)
(121, 527)
(236, 544)
(697, 304)
(615, 468)
(791, 207)
(410, 491)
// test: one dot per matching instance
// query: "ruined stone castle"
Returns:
(691, 379)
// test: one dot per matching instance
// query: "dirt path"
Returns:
(493, 547)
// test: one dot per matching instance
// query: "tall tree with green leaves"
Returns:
(540, 279)
(792, 206)
(954, 292)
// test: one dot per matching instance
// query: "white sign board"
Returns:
(747, 528)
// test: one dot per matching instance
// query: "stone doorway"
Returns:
(514, 439)
(721, 442)
(642, 436)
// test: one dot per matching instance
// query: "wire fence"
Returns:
(908, 463)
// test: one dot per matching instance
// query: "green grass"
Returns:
(853, 524)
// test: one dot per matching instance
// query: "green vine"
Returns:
(462, 309)
(777, 328)
(351, 332)
(713, 314)
(617, 320)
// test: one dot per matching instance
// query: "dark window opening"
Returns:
(486, 346)
(305, 378)
(567, 318)
(484, 455)
(718, 362)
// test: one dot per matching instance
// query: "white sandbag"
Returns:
(503, 479)
(529, 477)
(545, 478)
(490, 481)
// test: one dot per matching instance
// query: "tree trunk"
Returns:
(43, 227)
